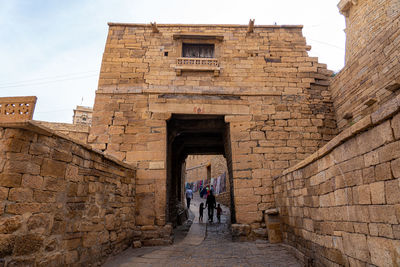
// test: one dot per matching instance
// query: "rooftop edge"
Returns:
(203, 25)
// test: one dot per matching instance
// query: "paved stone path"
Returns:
(207, 245)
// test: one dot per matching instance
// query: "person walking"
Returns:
(201, 208)
(211, 204)
(189, 197)
(219, 212)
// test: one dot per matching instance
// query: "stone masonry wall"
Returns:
(365, 21)
(272, 94)
(342, 204)
(372, 67)
(60, 202)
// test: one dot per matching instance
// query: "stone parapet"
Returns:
(77, 132)
(17, 109)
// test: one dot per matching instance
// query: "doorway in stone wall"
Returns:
(194, 135)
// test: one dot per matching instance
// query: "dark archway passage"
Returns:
(193, 135)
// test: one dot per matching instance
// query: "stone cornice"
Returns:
(202, 25)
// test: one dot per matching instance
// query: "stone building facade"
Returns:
(82, 115)
(260, 100)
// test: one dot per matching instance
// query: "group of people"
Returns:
(211, 204)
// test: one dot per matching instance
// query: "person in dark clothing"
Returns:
(211, 204)
(219, 212)
(201, 208)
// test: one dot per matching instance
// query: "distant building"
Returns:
(82, 115)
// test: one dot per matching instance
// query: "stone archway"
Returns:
(189, 135)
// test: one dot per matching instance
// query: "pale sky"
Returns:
(53, 48)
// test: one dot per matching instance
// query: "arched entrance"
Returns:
(193, 135)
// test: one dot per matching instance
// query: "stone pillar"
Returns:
(273, 225)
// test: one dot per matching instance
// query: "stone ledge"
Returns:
(79, 128)
(40, 129)
(203, 25)
(184, 91)
(387, 110)
(274, 211)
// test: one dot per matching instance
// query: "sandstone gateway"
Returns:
(312, 159)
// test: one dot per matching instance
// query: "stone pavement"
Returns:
(207, 244)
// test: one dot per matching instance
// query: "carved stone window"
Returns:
(198, 50)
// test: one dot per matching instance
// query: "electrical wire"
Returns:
(47, 78)
(47, 82)
(328, 44)
(50, 111)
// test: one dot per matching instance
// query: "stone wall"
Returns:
(61, 203)
(78, 132)
(272, 94)
(196, 167)
(224, 198)
(341, 205)
(372, 72)
(365, 21)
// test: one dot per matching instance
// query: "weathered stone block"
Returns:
(44, 196)
(383, 172)
(355, 245)
(32, 181)
(53, 168)
(110, 222)
(392, 191)
(6, 245)
(20, 195)
(65, 156)
(27, 244)
(395, 165)
(362, 194)
(384, 252)
(396, 126)
(39, 149)
(378, 193)
(375, 137)
(21, 208)
(22, 167)
(382, 214)
(10, 179)
(8, 225)
(389, 152)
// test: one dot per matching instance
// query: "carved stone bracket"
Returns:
(250, 29)
(345, 5)
(154, 27)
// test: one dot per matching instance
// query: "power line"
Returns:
(338, 47)
(47, 82)
(50, 111)
(46, 78)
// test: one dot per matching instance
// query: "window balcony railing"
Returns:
(17, 109)
(197, 64)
